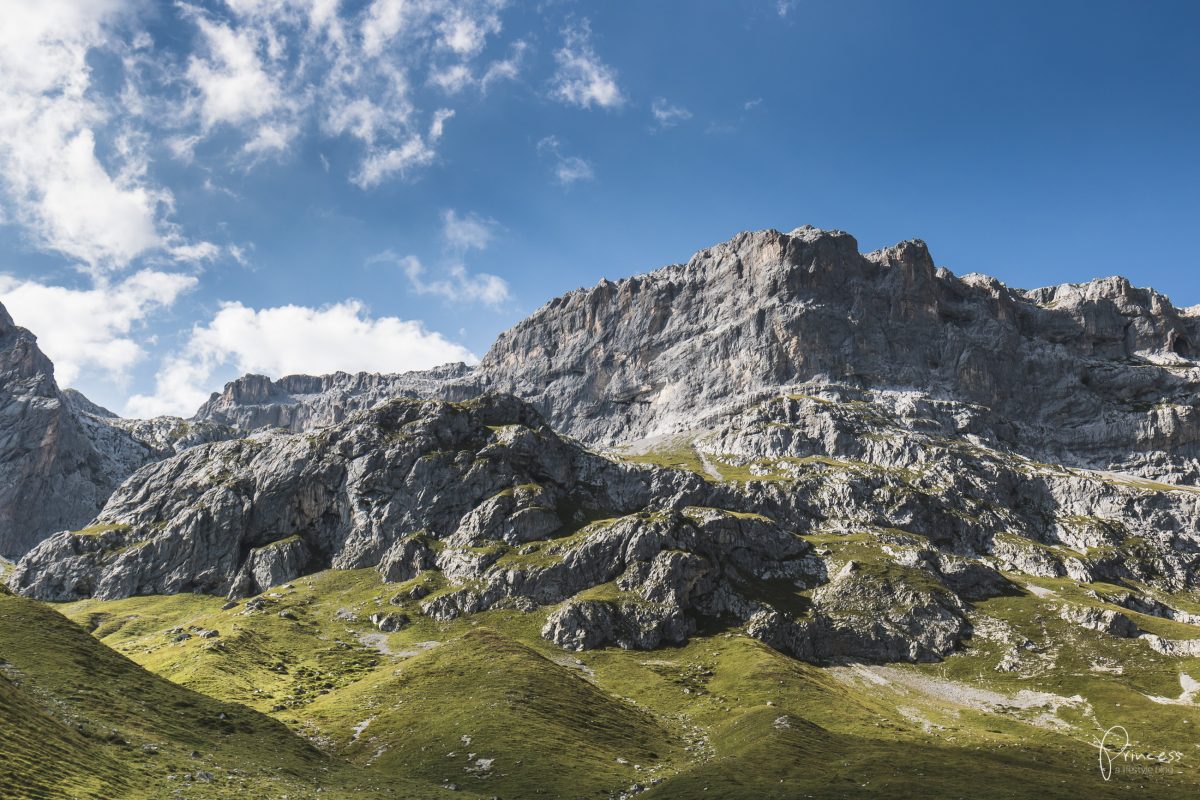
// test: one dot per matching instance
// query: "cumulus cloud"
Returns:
(568, 169)
(582, 79)
(92, 331)
(89, 98)
(288, 340)
(102, 212)
(667, 115)
(232, 81)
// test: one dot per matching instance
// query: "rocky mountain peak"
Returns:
(23, 366)
(1063, 372)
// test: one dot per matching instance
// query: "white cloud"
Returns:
(272, 138)
(403, 159)
(91, 330)
(567, 169)
(454, 283)
(460, 235)
(382, 21)
(233, 83)
(456, 77)
(667, 115)
(288, 340)
(103, 213)
(83, 211)
(471, 232)
(464, 31)
(582, 79)
(196, 253)
(88, 98)
(505, 69)
(452, 79)
(417, 151)
(458, 285)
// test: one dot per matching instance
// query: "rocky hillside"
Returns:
(776, 386)
(1098, 375)
(61, 455)
(500, 512)
(52, 473)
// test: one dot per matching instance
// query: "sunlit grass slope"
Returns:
(483, 704)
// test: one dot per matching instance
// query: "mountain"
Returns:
(61, 455)
(1096, 375)
(305, 402)
(786, 519)
(793, 380)
(52, 474)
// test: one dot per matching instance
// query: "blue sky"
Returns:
(193, 190)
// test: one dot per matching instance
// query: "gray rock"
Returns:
(1097, 375)
(1107, 621)
(52, 474)
(269, 566)
(389, 622)
(239, 516)
(405, 559)
(415, 593)
(588, 624)
(870, 615)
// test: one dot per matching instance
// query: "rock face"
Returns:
(1095, 375)
(836, 453)
(239, 516)
(59, 456)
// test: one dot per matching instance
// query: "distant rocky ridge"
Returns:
(964, 428)
(306, 402)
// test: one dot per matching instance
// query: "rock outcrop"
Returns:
(1098, 375)
(239, 516)
(59, 458)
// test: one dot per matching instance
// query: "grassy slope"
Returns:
(723, 712)
(43, 757)
(80, 720)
